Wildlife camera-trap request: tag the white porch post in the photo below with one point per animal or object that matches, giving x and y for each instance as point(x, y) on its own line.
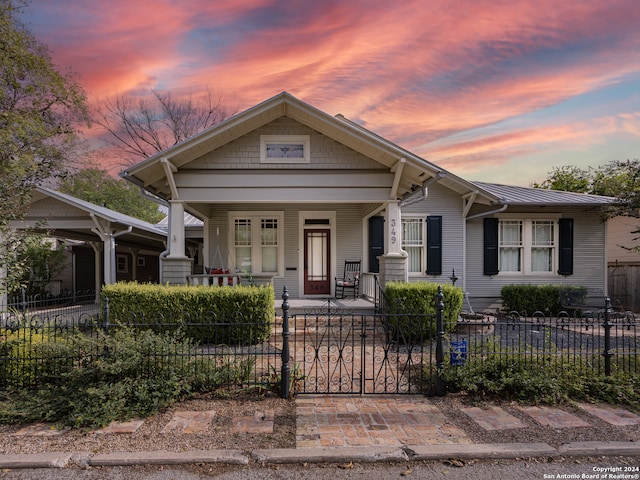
point(177, 240)
point(394, 232)
point(393, 264)
point(97, 247)
point(176, 265)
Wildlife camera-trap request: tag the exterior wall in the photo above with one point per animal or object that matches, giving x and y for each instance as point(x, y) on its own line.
point(448, 204)
point(619, 235)
point(348, 234)
point(588, 257)
point(244, 153)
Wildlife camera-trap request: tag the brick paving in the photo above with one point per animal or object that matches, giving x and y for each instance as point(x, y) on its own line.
point(493, 418)
point(612, 415)
point(337, 421)
point(554, 417)
point(346, 420)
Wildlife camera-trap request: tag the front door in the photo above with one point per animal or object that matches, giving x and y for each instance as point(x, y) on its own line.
point(317, 262)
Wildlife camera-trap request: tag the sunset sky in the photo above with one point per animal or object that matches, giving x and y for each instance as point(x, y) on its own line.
point(496, 91)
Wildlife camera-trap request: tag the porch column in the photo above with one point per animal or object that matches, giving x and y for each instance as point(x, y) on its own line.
point(97, 248)
point(176, 266)
point(177, 240)
point(393, 264)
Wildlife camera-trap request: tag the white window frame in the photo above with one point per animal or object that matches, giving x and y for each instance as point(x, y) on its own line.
point(256, 247)
point(298, 141)
point(423, 262)
point(527, 244)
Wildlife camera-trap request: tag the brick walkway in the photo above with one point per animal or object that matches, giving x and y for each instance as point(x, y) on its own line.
point(345, 420)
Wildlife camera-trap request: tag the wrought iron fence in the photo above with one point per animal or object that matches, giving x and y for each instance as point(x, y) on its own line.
point(371, 353)
point(593, 342)
point(36, 345)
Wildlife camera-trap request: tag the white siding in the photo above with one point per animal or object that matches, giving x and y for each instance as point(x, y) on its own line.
point(588, 257)
point(448, 204)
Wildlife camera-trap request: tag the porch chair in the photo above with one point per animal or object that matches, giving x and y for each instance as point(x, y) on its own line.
point(350, 279)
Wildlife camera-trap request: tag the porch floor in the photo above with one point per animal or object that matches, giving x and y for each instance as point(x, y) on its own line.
point(308, 305)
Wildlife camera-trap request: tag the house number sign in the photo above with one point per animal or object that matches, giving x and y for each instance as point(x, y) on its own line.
point(393, 231)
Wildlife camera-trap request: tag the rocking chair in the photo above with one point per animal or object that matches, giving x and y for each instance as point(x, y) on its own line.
point(350, 279)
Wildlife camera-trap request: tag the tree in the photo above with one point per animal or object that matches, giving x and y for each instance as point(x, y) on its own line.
point(567, 178)
point(40, 109)
point(619, 179)
point(138, 127)
point(98, 187)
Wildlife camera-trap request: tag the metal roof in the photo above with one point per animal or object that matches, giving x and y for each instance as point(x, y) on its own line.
point(512, 195)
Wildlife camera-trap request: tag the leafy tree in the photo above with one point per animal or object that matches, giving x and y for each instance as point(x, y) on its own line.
point(39, 111)
point(619, 179)
point(567, 178)
point(98, 187)
point(141, 127)
point(45, 260)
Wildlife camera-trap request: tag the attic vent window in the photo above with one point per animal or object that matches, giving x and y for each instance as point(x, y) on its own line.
point(284, 149)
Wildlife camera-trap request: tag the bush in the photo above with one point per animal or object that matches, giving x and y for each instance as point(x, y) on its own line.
point(548, 298)
point(241, 315)
point(491, 371)
point(92, 381)
point(412, 309)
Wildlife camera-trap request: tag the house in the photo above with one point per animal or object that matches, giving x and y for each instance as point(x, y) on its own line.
point(624, 263)
point(289, 193)
point(102, 246)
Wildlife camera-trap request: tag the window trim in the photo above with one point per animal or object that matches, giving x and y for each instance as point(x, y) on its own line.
point(423, 221)
point(527, 243)
point(122, 263)
point(256, 223)
point(303, 141)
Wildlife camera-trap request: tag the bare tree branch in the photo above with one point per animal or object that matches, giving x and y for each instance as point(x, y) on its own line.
point(140, 128)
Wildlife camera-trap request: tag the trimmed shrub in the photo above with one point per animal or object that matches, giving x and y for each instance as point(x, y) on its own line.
point(241, 315)
point(547, 298)
point(412, 309)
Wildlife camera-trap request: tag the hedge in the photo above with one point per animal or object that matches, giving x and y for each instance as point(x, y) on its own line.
point(412, 308)
point(547, 298)
point(241, 315)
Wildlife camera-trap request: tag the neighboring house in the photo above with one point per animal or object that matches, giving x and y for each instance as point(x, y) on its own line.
point(289, 193)
point(102, 246)
point(624, 264)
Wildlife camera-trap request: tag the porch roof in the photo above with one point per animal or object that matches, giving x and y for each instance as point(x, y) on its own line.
point(513, 195)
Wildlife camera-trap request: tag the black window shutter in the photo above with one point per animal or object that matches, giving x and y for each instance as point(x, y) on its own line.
point(565, 260)
point(491, 246)
point(434, 245)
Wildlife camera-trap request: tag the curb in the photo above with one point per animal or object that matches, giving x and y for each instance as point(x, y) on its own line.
point(321, 455)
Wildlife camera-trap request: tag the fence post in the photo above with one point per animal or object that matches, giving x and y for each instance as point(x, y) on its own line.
point(439, 343)
point(105, 320)
point(607, 354)
point(286, 369)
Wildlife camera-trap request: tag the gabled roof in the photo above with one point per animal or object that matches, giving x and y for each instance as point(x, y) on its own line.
point(151, 175)
point(512, 195)
point(102, 212)
point(81, 220)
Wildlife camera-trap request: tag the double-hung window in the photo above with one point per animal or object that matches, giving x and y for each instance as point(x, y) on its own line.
point(527, 246)
point(413, 242)
point(257, 242)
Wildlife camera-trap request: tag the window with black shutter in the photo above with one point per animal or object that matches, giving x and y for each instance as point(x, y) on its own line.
point(565, 261)
point(434, 245)
point(491, 246)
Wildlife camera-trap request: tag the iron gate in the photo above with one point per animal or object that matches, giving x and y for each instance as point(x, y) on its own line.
point(340, 352)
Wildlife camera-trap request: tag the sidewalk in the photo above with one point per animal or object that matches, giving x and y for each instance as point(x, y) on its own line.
point(337, 429)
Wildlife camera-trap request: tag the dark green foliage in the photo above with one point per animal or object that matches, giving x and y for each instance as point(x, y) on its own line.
point(90, 381)
point(225, 315)
point(546, 298)
point(491, 371)
point(413, 309)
